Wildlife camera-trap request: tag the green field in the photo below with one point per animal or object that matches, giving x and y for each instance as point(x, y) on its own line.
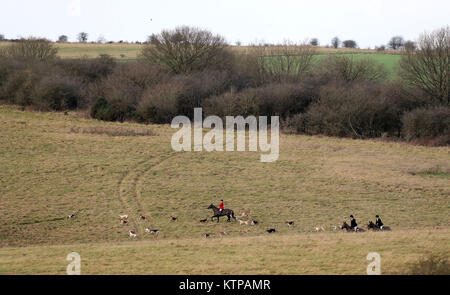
point(51, 169)
point(390, 61)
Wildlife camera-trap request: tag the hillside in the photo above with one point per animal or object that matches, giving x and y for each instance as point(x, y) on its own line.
point(54, 165)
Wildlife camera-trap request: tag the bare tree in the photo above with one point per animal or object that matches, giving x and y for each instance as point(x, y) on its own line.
point(289, 60)
point(428, 68)
point(2, 37)
point(62, 39)
point(250, 64)
point(396, 42)
point(82, 37)
point(335, 42)
point(349, 44)
point(31, 48)
point(185, 49)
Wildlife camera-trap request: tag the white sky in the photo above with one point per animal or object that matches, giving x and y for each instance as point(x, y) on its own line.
point(370, 23)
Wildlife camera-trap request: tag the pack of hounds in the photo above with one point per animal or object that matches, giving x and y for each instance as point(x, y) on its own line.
point(245, 219)
point(132, 233)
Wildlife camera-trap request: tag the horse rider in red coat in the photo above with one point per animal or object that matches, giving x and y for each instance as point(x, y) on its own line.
point(221, 206)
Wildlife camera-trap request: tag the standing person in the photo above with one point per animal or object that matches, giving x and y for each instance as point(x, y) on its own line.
point(378, 222)
point(221, 206)
point(353, 224)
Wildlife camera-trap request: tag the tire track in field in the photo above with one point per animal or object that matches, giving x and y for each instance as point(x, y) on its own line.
point(138, 182)
point(140, 171)
point(121, 198)
point(132, 195)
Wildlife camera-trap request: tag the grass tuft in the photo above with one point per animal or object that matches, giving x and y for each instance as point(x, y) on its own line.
point(113, 131)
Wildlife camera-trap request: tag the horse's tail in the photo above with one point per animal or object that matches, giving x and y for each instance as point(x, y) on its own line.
point(232, 215)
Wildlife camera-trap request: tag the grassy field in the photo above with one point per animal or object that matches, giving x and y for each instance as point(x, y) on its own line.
point(321, 253)
point(54, 165)
point(91, 50)
point(131, 50)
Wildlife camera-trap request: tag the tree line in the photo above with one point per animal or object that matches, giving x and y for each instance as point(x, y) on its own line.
point(395, 43)
point(184, 68)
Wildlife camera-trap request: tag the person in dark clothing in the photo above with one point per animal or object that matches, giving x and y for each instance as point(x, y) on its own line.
point(378, 222)
point(353, 224)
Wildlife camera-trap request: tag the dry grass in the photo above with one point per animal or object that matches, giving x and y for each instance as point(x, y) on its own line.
point(48, 173)
point(434, 171)
point(113, 131)
point(314, 253)
point(432, 264)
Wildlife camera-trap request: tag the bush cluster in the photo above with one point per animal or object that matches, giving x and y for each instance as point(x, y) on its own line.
point(336, 96)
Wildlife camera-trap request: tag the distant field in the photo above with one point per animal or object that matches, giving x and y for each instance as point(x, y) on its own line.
point(118, 51)
point(51, 169)
point(127, 52)
point(75, 50)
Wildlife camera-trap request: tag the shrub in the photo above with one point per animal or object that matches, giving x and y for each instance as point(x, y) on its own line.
point(398, 99)
point(57, 93)
point(18, 87)
point(248, 68)
point(430, 265)
point(113, 111)
point(284, 99)
point(295, 124)
point(98, 108)
point(86, 69)
point(357, 110)
point(31, 49)
point(221, 105)
point(18, 79)
point(159, 103)
point(127, 83)
point(281, 99)
point(349, 69)
point(427, 123)
point(55, 84)
point(196, 87)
